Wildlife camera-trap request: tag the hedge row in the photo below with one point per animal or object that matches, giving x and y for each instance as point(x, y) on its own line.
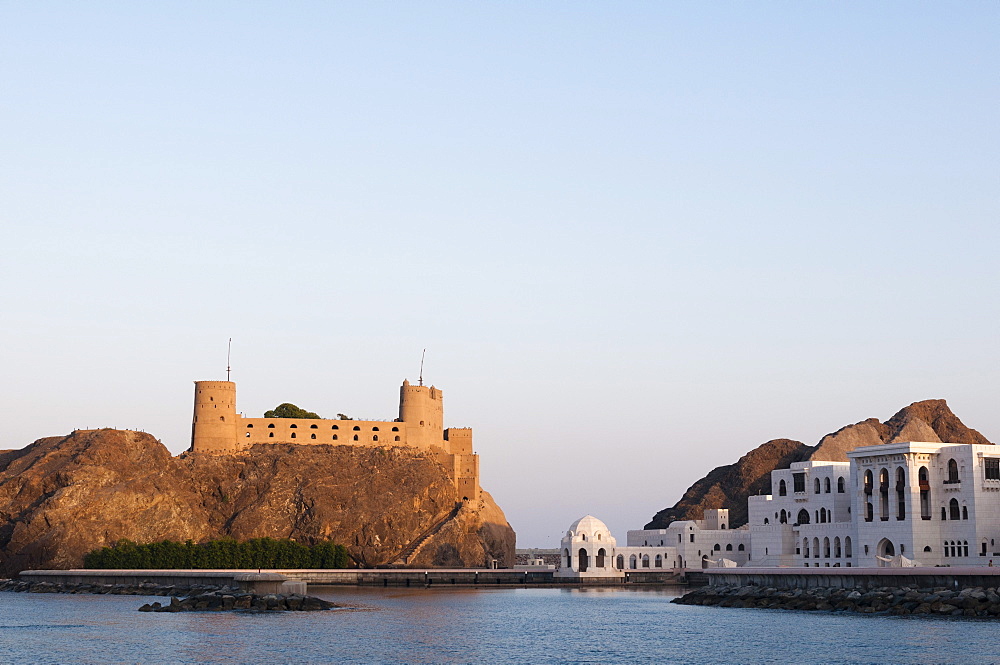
point(256, 553)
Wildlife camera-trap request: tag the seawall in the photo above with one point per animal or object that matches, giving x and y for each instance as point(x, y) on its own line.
point(855, 578)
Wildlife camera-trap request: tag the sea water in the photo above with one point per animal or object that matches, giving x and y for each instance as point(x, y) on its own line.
point(478, 626)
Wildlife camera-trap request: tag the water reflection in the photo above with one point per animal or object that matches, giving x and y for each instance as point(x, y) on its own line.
point(476, 626)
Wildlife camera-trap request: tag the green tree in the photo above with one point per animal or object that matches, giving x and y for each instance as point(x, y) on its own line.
point(287, 410)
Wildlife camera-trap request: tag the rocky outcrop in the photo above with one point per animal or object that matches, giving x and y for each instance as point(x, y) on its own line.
point(969, 602)
point(729, 486)
point(64, 496)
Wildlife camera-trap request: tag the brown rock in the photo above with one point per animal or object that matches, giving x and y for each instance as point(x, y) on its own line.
point(61, 497)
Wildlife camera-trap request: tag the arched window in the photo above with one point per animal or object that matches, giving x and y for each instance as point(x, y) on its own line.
point(250, 426)
point(883, 493)
point(293, 435)
point(965, 548)
point(741, 548)
point(868, 481)
point(334, 437)
point(395, 429)
point(356, 428)
point(631, 562)
point(965, 512)
point(620, 561)
point(952, 472)
point(840, 485)
point(803, 517)
point(782, 489)
point(374, 437)
point(847, 547)
point(599, 559)
point(645, 561)
point(658, 562)
point(900, 493)
point(826, 548)
point(335, 427)
point(815, 548)
point(312, 436)
point(805, 548)
point(836, 547)
point(729, 547)
point(766, 521)
point(869, 511)
point(826, 485)
point(374, 429)
point(784, 517)
point(822, 515)
point(816, 486)
point(355, 437)
point(314, 427)
point(583, 560)
point(293, 426)
point(925, 493)
point(271, 426)
point(395, 438)
point(717, 548)
point(955, 513)
point(270, 435)
point(569, 563)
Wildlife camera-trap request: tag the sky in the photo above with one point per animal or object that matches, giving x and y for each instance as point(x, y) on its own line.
point(636, 239)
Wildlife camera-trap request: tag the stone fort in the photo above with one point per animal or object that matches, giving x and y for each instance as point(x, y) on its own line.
point(217, 428)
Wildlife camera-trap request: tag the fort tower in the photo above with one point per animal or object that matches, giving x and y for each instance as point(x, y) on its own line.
point(213, 428)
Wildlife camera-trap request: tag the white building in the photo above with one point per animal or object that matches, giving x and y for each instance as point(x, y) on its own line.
point(899, 504)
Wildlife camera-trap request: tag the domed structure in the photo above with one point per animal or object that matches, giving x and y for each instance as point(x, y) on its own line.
point(588, 550)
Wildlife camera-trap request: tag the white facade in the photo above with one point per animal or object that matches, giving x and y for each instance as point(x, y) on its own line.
point(588, 550)
point(913, 503)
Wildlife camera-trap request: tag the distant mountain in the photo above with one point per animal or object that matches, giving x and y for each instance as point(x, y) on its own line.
point(729, 486)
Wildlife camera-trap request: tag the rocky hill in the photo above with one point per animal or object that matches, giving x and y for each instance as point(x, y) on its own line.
point(729, 486)
point(63, 496)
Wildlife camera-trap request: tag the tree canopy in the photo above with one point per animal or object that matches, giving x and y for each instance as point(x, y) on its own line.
point(287, 410)
point(225, 553)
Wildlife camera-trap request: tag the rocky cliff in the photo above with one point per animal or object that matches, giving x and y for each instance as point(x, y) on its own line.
point(63, 496)
point(729, 486)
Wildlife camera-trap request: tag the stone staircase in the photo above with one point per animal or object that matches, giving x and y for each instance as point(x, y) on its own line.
point(413, 548)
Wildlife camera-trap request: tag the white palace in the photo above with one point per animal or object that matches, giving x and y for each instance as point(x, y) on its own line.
point(897, 504)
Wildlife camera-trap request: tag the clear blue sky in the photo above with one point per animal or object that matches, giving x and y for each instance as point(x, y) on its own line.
point(637, 239)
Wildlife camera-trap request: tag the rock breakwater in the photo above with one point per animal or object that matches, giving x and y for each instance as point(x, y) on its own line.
point(968, 602)
point(183, 598)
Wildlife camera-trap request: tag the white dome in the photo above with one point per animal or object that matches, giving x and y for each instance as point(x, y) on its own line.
point(591, 529)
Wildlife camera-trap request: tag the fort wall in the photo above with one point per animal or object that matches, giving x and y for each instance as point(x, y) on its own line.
point(217, 428)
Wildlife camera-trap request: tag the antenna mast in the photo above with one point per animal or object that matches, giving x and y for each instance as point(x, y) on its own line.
point(229, 353)
point(422, 366)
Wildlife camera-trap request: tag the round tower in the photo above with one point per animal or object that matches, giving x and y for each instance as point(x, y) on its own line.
point(213, 428)
point(421, 408)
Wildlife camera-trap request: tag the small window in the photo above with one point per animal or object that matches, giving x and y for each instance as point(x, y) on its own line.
point(248, 435)
point(991, 468)
point(314, 427)
point(374, 429)
point(826, 485)
point(357, 429)
point(395, 429)
point(355, 437)
point(312, 436)
point(816, 486)
point(729, 547)
point(271, 426)
point(374, 437)
point(396, 438)
point(250, 426)
point(270, 435)
point(334, 437)
point(293, 425)
point(293, 435)
point(782, 488)
point(840, 485)
point(335, 427)
point(741, 548)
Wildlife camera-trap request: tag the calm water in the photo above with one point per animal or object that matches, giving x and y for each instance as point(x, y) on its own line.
point(478, 626)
